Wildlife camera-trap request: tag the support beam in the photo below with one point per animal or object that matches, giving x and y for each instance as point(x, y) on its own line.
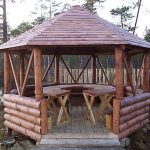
point(21, 69)
point(83, 69)
point(14, 74)
point(146, 72)
point(139, 74)
point(67, 68)
point(7, 81)
point(129, 74)
point(119, 88)
point(94, 68)
point(109, 82)
point(129, 63)
point(48, 68)
point(27, 73)
point(57, 69)
point(38, 73)
point(39, 89)
point(6, 73)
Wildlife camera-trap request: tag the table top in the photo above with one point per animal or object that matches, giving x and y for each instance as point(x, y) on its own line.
point(100, 91)
point(55, 92)
point(93, 89)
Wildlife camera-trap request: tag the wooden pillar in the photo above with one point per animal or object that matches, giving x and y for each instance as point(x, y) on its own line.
point(7, 81)
point(21, 69)
point(146, 74)
point(57, 69)
point(39, 89)
point(119, 88)
point(129, 62)
point(6, 73)
point(94, 69)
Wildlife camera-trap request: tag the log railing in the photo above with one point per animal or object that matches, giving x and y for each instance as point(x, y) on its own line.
point(134, 113)
point(22, 114)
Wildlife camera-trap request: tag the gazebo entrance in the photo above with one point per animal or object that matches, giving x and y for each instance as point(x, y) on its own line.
point(83, 121)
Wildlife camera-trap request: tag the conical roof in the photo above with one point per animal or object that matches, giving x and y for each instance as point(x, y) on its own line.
point(76, 27)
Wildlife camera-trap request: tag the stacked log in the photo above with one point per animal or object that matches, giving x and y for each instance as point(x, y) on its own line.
point(128, 91)
point(22, 114)
point(134, 113)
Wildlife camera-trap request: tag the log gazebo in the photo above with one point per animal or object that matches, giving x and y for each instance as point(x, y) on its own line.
point(74, 32)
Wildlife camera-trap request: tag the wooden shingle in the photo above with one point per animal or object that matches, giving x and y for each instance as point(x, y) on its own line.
point(76, 27)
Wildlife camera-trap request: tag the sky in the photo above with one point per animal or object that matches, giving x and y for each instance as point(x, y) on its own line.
point(21, 11)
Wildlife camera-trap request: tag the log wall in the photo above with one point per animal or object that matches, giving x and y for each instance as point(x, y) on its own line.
point(22, 114)
point(134, 113)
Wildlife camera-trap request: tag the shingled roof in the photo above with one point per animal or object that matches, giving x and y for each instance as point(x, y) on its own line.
point(75, 27)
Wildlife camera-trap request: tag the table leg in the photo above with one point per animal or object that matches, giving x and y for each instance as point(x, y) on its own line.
point(51, 105)
point(89, 107)
point(91, 101)
point(105, 103)
point(62, 109)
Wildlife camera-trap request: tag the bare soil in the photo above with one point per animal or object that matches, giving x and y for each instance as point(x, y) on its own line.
point(140, 140)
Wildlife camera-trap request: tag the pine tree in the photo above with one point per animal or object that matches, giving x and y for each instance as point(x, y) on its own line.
point(125, 17)
point(147, 35)
point(91, 5)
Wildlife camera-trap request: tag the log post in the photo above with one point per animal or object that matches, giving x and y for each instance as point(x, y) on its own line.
point(146, 74)
point(6, 73)
point(39, 89)
point(7, 81)
point(129, 62)
point(94, 68)
point(119, 88)
point(57, 69)
point(21, 69)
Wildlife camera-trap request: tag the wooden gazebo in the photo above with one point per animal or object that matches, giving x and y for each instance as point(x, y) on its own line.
point(74, 32)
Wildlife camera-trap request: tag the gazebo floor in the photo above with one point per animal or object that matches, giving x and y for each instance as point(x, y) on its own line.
point(80, 132)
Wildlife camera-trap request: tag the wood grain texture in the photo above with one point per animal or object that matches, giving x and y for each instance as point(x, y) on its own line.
point(146, 74)
point(23, 131)
point(6, 73)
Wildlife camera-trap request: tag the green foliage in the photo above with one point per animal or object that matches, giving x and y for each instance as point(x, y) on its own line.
point(72, 61)
point(24, 26)
point(125, 16)
point(91, 5)
point(38, 20)
point(147, 35)
point(50, 8)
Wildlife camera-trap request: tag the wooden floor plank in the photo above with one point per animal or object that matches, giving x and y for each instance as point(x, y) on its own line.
point(78, 123)
point(81, 122)
point(87, 122)
point(75, 121)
